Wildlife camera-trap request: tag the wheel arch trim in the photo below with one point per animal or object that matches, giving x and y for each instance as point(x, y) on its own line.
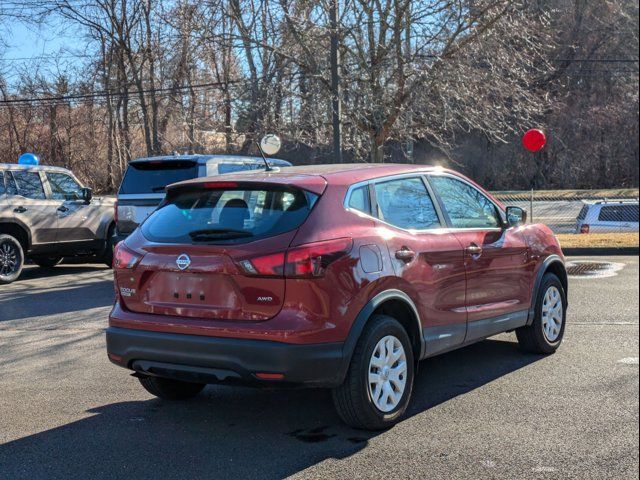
point(365, 314)
point(544, 268)
point(17, 223)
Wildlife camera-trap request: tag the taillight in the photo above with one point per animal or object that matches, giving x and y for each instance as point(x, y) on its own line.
point(584, 228)
point(264, 266)
point(306, 261)
point(125, 258)
point(312, 259)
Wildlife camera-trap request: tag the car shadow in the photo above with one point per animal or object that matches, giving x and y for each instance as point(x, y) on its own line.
point(72, 291)
point(235, 432)
point(33, 272)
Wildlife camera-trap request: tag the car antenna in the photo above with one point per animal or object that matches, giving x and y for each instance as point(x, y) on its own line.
point(267, 167)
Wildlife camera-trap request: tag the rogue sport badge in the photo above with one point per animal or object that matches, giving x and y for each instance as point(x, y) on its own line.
point(183, 261)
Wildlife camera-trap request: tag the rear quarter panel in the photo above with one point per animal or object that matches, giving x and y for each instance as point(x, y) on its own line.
point(327, 307)
point(101, 215)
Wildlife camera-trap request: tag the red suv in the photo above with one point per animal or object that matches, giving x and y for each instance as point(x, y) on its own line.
point(340, 276)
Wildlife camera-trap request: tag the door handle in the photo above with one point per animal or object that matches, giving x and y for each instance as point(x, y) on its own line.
point(63, 209)
point(474, 250)
point(405, 254)
point(20, 209)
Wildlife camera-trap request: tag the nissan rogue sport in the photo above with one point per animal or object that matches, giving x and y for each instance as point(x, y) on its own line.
point(340, 276)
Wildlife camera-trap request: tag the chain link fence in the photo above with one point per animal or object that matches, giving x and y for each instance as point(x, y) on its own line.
point(578, 211)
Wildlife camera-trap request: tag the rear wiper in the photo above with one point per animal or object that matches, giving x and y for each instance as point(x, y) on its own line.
point(158, 189)
point(218, 234)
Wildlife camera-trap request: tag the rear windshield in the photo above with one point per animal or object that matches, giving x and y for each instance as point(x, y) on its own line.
point(583, 213)
point(235, 215)
point(619, 213)
point(154, 176)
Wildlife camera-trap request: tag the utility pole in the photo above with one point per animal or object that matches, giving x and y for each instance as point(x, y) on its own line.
point(409, 116)
point(336, 104)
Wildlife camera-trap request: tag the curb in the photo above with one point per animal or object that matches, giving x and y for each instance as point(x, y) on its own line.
point(604, 251)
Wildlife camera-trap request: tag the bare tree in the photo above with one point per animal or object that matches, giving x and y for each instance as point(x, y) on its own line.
point(377, 80)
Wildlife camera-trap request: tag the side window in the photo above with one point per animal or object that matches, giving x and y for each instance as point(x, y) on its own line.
point(2, 189)
point(608, 214)
point(359, 199)
point(466, 206)
point(619, 213)
point(10, 183)
point(29, 184)
point(64, 187)
point(406, 203)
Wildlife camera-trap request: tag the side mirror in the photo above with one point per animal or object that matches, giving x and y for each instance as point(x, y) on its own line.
point(516, 216)
point(86, 195)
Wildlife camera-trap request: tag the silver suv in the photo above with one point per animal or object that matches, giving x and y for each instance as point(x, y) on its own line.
point(608, 216)
point(143, 184)
point(47, 214)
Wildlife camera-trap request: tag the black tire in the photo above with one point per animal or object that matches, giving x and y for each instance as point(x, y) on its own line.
point(11, 259)
point(46, 262)
point(352, 399)
point(107, 258)
point(532, 338)
point(169, 389)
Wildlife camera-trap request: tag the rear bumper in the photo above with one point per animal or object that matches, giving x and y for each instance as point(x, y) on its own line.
point(224, 360)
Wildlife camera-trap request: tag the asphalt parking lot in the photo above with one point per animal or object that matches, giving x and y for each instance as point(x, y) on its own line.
point(486, 411)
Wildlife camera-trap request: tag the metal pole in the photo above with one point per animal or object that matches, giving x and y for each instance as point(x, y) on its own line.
point(531, 207)
point(409, 117)
point(336, 105)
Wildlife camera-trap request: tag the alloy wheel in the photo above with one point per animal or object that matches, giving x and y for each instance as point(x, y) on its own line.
point(9, 261)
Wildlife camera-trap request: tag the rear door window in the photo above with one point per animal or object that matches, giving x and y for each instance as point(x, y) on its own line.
point(153, 176)
point(406, 203)
point(234, 215)
point(29, 184)
point(10, 184)
point(619, 213)
point(2, 189)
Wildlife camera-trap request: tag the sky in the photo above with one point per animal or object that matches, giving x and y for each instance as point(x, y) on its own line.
point(24, 41)
point(25, 45)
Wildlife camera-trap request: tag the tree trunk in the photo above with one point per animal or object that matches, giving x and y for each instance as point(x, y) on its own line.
point(336, 104)
point(377, 148)
point(155, 141)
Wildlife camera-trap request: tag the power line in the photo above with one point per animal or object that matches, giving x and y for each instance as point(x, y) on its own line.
point(106, 93)
point(597, 60)
point(51, 56)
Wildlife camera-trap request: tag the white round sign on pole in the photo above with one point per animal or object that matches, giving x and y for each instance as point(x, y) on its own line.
point(270, 144)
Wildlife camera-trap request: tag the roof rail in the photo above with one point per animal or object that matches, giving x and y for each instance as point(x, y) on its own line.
point(618, 201)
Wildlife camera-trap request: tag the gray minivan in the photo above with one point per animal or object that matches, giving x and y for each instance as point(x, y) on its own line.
point(143, 185)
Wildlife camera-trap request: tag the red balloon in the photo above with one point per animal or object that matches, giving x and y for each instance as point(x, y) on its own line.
point(534, 140)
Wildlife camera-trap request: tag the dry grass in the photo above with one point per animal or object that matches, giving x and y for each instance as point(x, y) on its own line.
point(598, 240)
